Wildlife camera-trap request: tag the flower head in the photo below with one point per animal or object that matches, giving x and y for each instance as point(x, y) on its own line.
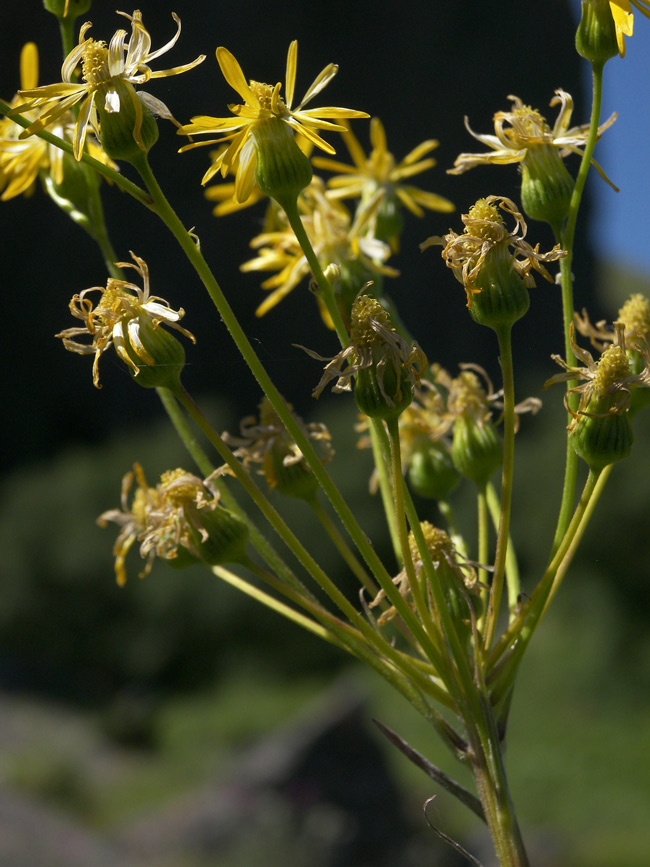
point(180, 520)
point(606, 383)
point(385, 366)
point(23, 160)
point(262, 103)
point(108, 73)
point(265, 441)
point(336, 238)
point(522, 129)
point(380, 172)
point(127, 317)
point(485, 231)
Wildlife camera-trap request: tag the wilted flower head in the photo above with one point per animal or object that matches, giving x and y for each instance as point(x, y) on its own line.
point(107, 74)
point(606, 383)
point(375, 346)
point(518, 132)
point(265, 441)
point(450, 567)
point(485, 230)
point(263, 103)
point(180, 520)
point(127, 317)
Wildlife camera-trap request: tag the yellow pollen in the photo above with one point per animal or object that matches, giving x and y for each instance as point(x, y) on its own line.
point(180, 488)
point(635, 315)
point(438, 543)
point(94, 63)
point(484, 221)
point(364, 311)
point(469, 396)
point(530, 120)
point(613, 367)
point(264, 93)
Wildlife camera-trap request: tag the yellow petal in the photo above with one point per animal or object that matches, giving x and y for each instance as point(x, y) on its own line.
point(292, 56)
point(29, 66)
point(235, 77)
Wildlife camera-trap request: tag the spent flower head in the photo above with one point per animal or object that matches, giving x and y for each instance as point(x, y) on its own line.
point(265, 441)
point(180, 520)
point(262, 104)
point(108, 76)
point(129, 318)
point(485, 231)
point(606, 384)
point(522, 130)
point(385, 366)
point(380, 172)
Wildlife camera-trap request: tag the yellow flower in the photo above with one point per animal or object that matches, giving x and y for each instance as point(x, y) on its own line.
point(262, 102)
point(623, 16)
point(336, 239)
point(125, 316)
point(523, 129)
point(380, 172)
point(21, 161)
point(103, 69)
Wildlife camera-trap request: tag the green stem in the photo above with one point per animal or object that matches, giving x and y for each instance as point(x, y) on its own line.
point(494, 603)
point(355, 566)
point(566, 280)
point(506, 655)
point(483, 555)
point(513, 581)
point(326, 291)
point(419, 597)
point(381, 464)
point(373, 638)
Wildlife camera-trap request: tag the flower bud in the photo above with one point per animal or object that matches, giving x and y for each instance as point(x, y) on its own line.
point(282, 170)
point(602, 437)
point(431, 471)
point(503, 298)
point(476, 449)
point(596, 37)
point(158, 358)
point(128, 129)
point(546, 185)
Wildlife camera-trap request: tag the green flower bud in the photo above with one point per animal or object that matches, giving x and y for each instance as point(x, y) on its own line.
point(604, 437)
point(158, 358)
point(67, 9)
point(546, 185)
point(431, 471)
point(383, 392)
point(218, 535)
point(282, 170)
point(129, 130)
point(389, 223)
point(596, 38)
point(503, 298)
point(476, 449)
